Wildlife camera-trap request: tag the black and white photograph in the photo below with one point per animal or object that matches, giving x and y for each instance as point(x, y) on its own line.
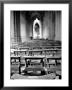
point(35, 45)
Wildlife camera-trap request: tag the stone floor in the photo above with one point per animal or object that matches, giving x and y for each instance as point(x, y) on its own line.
point(48, 76)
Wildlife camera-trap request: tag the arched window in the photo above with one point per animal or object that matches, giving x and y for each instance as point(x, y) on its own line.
point(37, 29)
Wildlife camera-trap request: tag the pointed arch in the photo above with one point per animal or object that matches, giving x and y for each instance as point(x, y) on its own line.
point(35, 34)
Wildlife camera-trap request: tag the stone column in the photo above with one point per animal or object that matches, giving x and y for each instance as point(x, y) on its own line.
point(17, 26)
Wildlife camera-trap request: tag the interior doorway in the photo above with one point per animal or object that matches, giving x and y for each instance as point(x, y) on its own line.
point(37, 29)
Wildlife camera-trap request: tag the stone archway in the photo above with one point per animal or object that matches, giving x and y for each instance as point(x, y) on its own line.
point(37, 29)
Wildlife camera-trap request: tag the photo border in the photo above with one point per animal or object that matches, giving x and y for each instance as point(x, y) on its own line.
point(2, 28)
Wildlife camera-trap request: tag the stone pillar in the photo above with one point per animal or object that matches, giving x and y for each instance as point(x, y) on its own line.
point(17, 26)
point(49, 25)
point(11, 28)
